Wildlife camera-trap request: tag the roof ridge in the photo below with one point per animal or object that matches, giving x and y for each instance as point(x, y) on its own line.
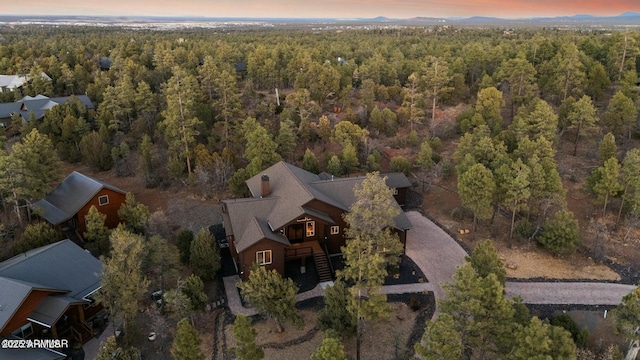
point(304, 185)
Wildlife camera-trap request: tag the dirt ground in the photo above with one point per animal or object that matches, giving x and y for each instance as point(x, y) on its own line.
point(180, 205)
point(380, 339)
point(526, 259)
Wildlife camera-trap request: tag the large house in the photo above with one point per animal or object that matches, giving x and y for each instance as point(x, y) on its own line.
point(47, 294)
point(295, 214)
point(13, 82)
point(68, 204)
point(37, 106)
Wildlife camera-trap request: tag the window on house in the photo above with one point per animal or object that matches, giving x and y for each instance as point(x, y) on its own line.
point(311, 228)
point(103, 200)
point(395, 191)
point(335, 230)
point(263, 257)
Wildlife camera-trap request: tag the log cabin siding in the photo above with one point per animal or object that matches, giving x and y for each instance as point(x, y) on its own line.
point(111, 209)
point(19, 318)
point(248, 257)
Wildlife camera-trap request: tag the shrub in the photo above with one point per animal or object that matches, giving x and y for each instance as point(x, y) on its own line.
point(560, 233)
point(523, 229)
point(400, 164)
point(565, 321)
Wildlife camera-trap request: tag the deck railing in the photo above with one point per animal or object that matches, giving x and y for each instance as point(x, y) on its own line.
point(298, 252)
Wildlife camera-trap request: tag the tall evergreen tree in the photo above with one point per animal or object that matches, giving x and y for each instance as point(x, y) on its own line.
point(180, 124)
point(476, 188)
point(97, 235)
point(582, 118)
point(204, 256)
point(607, 148)
point(310, 162)
point(186, 345)
point(134, 215)
point(123, 282)
point(608, 182)
point(245, 336)
point(627, 316)
point(271, 295)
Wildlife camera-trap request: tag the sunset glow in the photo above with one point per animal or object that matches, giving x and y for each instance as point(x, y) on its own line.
point(322, 8)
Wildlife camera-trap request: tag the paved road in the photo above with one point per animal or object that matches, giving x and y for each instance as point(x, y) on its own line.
point(438, 255)
point(583, 293)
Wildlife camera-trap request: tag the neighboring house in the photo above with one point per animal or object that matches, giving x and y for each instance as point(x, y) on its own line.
point(68, 204)
point(36, 105)
point(47, 294)
point(13, 82)
point(295, 214)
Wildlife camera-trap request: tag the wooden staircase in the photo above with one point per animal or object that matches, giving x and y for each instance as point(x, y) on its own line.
point(322, 264)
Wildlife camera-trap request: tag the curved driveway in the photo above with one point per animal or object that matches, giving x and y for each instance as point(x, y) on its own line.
point(438, 255)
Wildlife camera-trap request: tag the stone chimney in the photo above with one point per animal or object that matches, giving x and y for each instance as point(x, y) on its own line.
point(266, 189)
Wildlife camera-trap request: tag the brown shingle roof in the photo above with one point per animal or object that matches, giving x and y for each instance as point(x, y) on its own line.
point(291, 189)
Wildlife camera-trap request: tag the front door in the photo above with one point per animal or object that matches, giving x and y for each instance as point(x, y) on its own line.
point(295, 233)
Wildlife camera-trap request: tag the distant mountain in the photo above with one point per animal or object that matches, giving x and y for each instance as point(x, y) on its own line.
point(629, 13)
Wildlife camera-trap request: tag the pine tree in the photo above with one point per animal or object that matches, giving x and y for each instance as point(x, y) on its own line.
point(97, 234)
point(489, 106)
point(193, 288)
point(260, 150)
point(560, 233)
point(371, 248)
point(607, 148)
point(146, 159)
point(441, 340)
point(608, 182)
point(335, 314)
point(436, 79)
point(324, 128)
point(330, 349)
point(631, 182)
point(621, 114)
point(245, 336)
point(134, 215)
point(204, 256)
point(35, 235)
point(349, 159)
point(271, 295)
point(180, 124)
point(334, 167)
point(186, 345)
point(123, 282)
point(41, 163)
point(413, 101)
point(539, 340)
point(515, 185)
point(485, 261)
point(583, 119)
point(477, 188)
point(482, 315)
point(286, 139)
point(310, 162)
point(424, 160)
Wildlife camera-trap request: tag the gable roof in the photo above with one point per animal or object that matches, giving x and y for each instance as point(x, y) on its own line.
point(62, 267)
point(70, 196)
point(38, 105)
point(56, 266)
point(291, 189)
point(13, 294)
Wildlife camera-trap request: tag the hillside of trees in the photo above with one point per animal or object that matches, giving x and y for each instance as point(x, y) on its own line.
point(205, 110)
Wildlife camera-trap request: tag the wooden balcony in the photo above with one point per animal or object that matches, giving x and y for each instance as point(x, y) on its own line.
point(311, 248)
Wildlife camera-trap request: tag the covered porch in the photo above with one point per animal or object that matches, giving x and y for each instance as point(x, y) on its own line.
point(311, 248)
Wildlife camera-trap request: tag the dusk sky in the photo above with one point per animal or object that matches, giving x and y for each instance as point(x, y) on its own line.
point(321, 8)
